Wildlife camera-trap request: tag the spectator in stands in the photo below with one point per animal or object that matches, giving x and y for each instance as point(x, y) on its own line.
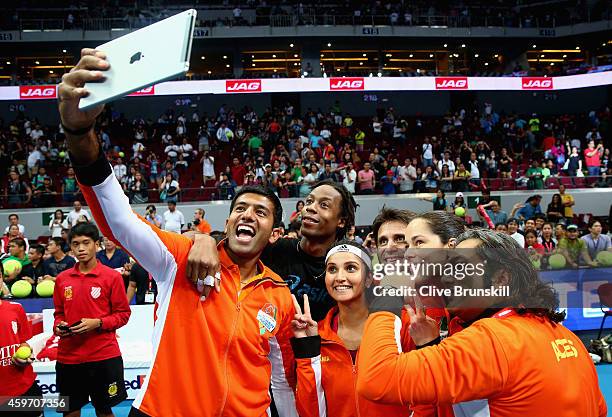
point(574, 163)
point(120, 170)
point(172, 151)
point(152, 217)
point(496, 214)
point(76, 212)
point(137, 190)
point(39, 178)
point(57, 223)
point(555, 209)
point(513, 232)
point(592, 158)
point(13, 233)
point(462, 176)
point(114, 257)
point(33, 272)
point(70, 186)
point(44, 194)
point(596, 241)
point(427, 153)
point(439, 201)
point(568, 202)
point(208, 167)
point(505, 164)
point(14, 220)
point(224, 134)
point(349, 177)
point(169, 189)
point(35, 159)
point(407, 176)
point(227, 187)
point(535, 175)
point(389, 182)
point(547, 240)
point(328, 174)
point(560, 231)
point(17, 191)
point(531, 208)
point(168, 169)
point(199, 223)
point(17, 249)
point(574, 249)
point(238, 172)
point(174, 221)
point(366, 179)
point(58, 261)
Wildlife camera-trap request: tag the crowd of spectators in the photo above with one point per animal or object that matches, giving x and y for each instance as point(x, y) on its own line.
point(467, 13)
point(172, 157)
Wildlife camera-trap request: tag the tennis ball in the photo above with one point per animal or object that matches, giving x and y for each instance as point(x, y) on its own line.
point(45, 288)
point(62, 154)
point(23, 352)
point(536, 263)
point(121, 154)
point(11, 266)
point(557, 261)
point(460, 211)
point(21, 289)
point(604, 258)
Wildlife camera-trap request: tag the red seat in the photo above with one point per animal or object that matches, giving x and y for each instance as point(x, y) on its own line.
point(495, 184)
point(605, 299)
point(567, 181)
point(580, 182)
point(551, 182)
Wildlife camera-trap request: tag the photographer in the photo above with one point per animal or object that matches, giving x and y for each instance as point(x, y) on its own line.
point(152, 216)
point(199, 224)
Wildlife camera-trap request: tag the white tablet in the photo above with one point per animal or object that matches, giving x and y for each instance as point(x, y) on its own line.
point(150, 55)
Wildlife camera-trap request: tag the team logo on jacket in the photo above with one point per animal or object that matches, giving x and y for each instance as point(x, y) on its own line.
point(68, 293)
point(267, 318)
point(15, 327)
point(95, 292)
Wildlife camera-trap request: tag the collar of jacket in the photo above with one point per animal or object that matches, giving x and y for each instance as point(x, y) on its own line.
point(264, 273)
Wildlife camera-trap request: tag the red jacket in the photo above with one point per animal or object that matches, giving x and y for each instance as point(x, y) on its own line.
point(98, 294)
point(14, 330)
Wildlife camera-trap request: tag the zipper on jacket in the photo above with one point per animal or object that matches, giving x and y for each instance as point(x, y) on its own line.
point(229, 343)
point(353, 370)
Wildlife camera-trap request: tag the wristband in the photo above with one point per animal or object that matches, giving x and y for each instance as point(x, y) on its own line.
point(99, 327)
point(77, 132)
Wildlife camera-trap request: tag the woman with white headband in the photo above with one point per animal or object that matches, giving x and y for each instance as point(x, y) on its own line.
point(326, 352)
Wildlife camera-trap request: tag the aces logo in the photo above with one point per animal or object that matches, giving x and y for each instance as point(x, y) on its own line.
point(266, 318)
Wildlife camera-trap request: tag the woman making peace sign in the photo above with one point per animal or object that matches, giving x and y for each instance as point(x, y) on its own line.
point(326, 352)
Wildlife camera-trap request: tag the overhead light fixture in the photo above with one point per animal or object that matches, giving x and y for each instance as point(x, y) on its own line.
point(361, 63)
point(564, 56)
point(577, 48)
point(486, 64)
point(295, 64)
point(37, 62)
point(534, 46)
point(445, 45)
point(496, 55)
point(63, 50)
point(252, 56)
point(8, 62)
point(463, 45)
point(202, 57)
point(209, 72)
point(400, 70)
point(59, 61)
point(388, 55)
point(273, 55)
point(542, 56)
point(290, 45)
point(603, 44)
point(227, 65)
point(431, 55)
point(295, 55)
point(411, 55)
point(50, 71)
point(322, 55)
point(253, 64)
point(379, 74)
point(365, 55)
point(337, 69)
point(274, 70)
point(329, 45)
point(476, 55)
point(552, 64)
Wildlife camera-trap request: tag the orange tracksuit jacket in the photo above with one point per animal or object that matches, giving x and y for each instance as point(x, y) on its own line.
point(515, 365)
point(327, 378)
point(217, 357)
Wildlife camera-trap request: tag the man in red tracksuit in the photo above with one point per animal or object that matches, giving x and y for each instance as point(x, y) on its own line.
point(90, 304)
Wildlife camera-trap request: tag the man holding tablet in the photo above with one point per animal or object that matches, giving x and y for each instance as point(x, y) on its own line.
point(240, 335)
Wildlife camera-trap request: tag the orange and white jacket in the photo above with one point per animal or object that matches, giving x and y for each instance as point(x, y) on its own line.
point(327, 378)
point(217, 357)
point(512, 365)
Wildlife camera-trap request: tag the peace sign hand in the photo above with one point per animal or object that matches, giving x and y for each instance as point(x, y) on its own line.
point(302, 324)
point(423, 329)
